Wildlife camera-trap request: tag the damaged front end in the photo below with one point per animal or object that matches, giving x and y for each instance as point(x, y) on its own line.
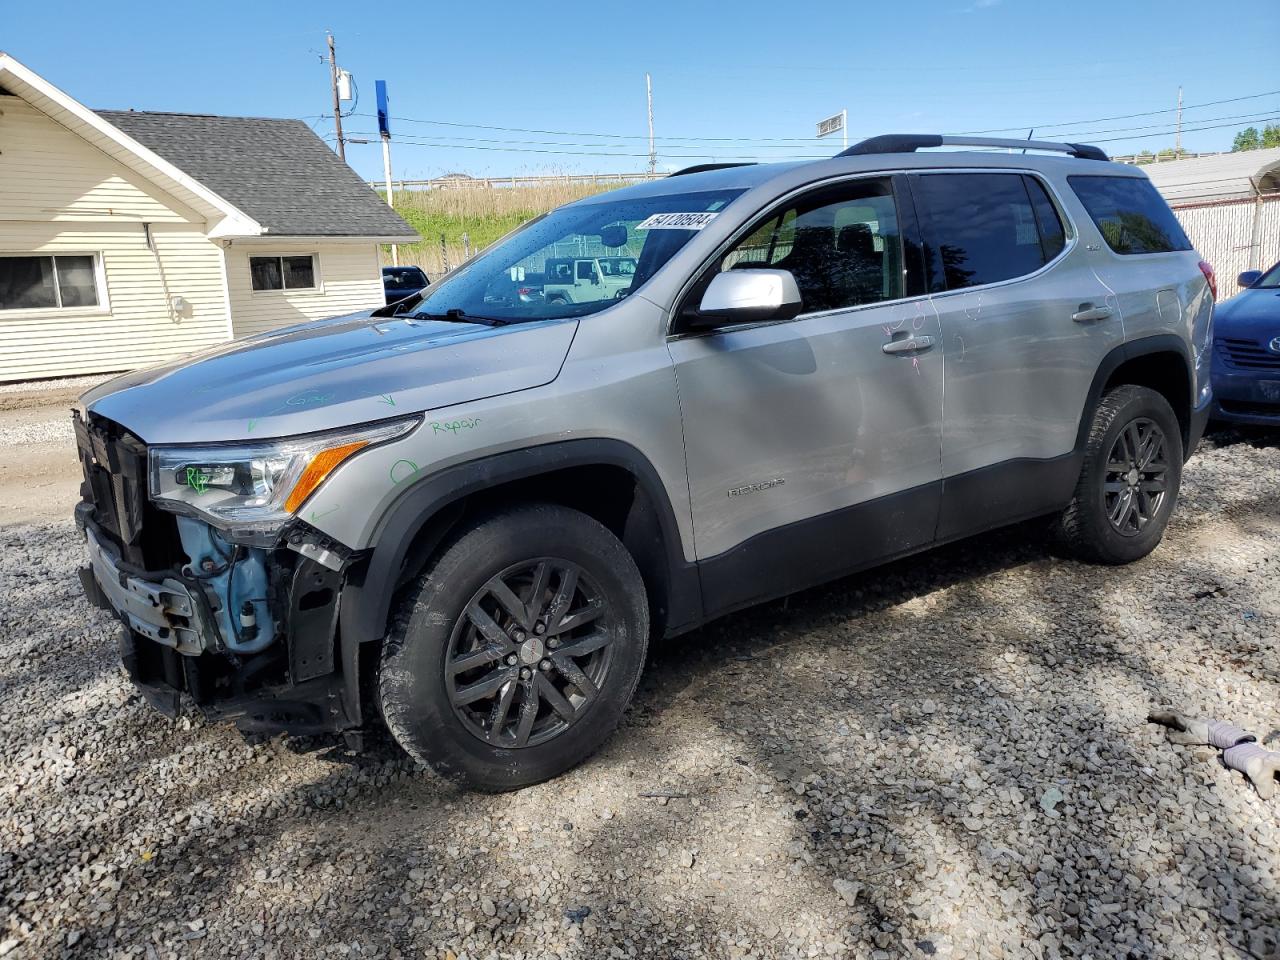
point(243, 621)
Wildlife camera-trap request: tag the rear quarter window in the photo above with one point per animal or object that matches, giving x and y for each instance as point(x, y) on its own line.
point(1130, 214)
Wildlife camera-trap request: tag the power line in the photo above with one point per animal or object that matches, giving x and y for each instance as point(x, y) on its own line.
point(1125, 116)
point(505, 146)
point(1166, 133)
point(811, 141)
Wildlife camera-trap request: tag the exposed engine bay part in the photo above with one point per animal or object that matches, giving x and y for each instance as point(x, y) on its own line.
point(234, 579)
point(160, 607)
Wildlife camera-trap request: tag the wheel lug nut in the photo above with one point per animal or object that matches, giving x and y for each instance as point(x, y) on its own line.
point(525, 673)
point(518, 636)
point(511, 660)
point(544, 666)
point(540, 629)
point(553, 642)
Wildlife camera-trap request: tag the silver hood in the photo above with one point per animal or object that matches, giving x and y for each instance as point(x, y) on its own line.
point(331, 373)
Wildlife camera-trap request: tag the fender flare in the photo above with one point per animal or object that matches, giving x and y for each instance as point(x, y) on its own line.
point(368, 594)
point(1122, 354)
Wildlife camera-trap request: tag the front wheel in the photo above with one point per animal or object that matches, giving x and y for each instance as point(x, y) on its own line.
point(516, 652)
point(1129, 483)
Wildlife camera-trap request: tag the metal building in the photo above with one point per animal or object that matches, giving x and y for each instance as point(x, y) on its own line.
point(1229, 204)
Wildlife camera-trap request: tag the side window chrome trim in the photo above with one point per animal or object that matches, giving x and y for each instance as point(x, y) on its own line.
point(1072, 238)
point(753, 220)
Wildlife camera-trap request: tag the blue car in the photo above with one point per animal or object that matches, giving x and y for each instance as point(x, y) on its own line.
point(1246, 352)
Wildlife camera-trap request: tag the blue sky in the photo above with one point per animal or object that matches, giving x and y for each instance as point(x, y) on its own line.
point(760, 73)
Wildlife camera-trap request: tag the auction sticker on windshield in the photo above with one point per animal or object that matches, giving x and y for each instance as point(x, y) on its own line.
point(676, 221)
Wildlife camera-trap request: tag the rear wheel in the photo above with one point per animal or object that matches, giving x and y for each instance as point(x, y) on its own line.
point(1129, 483)
point(517, 651)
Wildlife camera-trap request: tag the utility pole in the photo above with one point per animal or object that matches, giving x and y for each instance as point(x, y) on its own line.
point(337, 109)
point(653, 156)
point(1177, 141)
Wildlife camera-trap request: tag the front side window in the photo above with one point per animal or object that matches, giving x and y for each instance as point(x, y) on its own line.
point(842, 244)
point(1130, 214)
point(283, 273)
point(576, 260)
point(985, 228)
point(49, 282)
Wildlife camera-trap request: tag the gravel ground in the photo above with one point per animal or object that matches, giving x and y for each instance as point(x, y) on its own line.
point(947, 757)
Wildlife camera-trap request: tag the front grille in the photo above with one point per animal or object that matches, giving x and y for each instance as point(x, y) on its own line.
point(1247, 354)
point(114, 464)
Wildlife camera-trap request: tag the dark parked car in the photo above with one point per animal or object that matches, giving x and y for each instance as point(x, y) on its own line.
point(1246, 351)
point(401, 282)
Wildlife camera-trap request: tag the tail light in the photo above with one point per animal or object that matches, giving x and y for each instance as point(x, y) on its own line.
point(1207, 269)
point(524, 291)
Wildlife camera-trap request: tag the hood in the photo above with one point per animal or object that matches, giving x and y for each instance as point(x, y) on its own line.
point(330, 373)
point(1254, 314)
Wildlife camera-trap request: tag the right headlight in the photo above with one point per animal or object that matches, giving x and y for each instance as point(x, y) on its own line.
point(256, 485)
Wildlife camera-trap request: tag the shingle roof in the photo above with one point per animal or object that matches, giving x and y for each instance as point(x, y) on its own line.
point(276, 171)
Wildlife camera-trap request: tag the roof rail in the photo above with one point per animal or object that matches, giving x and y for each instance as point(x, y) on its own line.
point(704, 167)
point(910, 142)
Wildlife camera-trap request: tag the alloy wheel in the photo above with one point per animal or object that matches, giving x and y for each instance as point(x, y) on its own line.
point(529, 655)
point(1136, 481)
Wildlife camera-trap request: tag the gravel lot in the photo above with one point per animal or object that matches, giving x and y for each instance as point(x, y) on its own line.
point(947, 757)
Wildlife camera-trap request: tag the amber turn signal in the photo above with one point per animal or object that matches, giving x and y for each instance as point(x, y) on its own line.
point(320, 467)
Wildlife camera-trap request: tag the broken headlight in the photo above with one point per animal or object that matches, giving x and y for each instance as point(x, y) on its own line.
point(256, 485)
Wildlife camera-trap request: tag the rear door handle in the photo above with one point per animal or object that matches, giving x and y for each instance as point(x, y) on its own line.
point(1089, 314)
point(908, 345)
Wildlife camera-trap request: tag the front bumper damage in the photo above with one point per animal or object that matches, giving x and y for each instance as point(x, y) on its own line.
point(248, 634)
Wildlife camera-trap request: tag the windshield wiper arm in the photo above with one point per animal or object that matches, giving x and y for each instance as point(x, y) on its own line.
point(459, 316)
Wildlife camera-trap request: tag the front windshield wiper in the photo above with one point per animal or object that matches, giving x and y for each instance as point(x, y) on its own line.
point(458, 316)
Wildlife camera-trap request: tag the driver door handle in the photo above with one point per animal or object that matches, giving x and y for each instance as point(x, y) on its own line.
point(1088, 314)
point(908, 345)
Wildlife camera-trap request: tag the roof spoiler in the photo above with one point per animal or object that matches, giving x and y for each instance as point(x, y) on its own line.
point(911, 142)
point(704, 167)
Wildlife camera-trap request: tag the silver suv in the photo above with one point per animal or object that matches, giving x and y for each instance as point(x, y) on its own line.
point(467, 514)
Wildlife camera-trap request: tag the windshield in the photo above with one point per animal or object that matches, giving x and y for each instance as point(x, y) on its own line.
point(1270, 279)
point(576, 260)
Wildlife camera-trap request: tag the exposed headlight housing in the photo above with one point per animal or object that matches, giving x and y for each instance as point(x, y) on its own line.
point(251, 490)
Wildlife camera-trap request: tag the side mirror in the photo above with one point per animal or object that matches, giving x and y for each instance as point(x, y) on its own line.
point(1248, 278)
point(749, 296)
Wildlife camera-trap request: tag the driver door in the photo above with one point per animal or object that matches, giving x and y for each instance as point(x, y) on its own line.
point(813, 450)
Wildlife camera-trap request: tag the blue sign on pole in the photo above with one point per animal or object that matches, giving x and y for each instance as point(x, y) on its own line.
point(384, 118)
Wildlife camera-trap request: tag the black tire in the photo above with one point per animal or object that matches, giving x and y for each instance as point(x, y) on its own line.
point(438, 632)
point(1100, 524)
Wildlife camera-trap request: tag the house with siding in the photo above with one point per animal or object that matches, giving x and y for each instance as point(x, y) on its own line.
point(131, 238)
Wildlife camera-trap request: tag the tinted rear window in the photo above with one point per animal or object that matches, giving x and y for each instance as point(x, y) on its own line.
point(1130, 213)
point(983, 227)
